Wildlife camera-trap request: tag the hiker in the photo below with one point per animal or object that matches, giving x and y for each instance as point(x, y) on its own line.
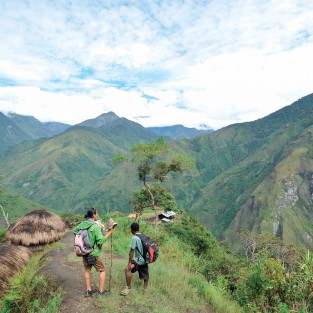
point(136, 263)
point(94, 258)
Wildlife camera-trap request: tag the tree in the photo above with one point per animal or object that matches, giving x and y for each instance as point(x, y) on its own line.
point(163, 197)
point(154, 162)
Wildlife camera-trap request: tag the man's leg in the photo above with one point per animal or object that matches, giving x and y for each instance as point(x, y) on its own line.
point(101, 281)
point(128, 276)
point(146, 283)
point(88, 278)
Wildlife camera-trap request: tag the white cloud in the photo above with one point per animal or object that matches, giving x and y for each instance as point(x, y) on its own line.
point(206, 62)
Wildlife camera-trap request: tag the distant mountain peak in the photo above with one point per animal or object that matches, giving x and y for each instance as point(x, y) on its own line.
point(178, 132)
point(101, 120)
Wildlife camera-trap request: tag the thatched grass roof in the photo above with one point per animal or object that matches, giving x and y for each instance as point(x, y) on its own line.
point(36, 228)
point(12, 259)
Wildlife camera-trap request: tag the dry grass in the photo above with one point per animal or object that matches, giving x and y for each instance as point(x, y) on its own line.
point(36, 228)
point(12, 259)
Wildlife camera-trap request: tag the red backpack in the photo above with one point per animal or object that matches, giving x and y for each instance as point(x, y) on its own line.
point(150, 248)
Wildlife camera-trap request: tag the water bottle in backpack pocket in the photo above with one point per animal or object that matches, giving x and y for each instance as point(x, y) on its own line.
point(149, 247)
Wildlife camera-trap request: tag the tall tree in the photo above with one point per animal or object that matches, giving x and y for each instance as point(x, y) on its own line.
point(154, 161)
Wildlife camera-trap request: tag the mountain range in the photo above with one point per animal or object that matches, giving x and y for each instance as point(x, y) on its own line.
point(256, 176)
point(15, 128)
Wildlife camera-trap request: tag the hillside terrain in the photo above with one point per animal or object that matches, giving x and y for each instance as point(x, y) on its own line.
point(15, 129)
point(254, 176)
point(15, 206)
point(193, 273)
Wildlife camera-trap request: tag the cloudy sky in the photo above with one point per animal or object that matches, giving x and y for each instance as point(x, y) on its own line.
point(156, 62)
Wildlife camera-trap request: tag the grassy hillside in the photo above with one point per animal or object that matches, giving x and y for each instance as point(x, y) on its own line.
point(30, 125)
point(15, 205)
point(71, 171)
point(10, 133)
point(192, 274)
point(234, 162)
point(237, 182)
point(282, 203)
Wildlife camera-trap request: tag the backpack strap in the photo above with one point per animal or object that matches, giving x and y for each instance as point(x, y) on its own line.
point(141, 245)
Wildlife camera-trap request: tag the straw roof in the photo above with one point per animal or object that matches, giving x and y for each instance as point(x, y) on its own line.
point(12, 259)
point(36, 229)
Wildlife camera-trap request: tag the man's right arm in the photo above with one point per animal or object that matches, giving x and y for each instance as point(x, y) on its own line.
point(130, 258)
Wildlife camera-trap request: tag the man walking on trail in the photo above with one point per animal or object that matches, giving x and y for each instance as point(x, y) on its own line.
point(136, 263)
point(94, 258)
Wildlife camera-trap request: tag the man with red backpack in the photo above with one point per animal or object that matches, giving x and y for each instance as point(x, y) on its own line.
point(136, 262)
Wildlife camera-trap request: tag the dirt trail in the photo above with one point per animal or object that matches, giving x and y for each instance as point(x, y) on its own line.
point(70, 276)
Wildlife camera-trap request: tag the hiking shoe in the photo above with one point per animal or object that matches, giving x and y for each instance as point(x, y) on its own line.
point(103, 293)
point(111, 224)
point(88, 293)
point(126, 291)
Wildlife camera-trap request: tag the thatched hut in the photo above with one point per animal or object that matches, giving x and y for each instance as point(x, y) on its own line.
point(36, 229)
point(12, 259)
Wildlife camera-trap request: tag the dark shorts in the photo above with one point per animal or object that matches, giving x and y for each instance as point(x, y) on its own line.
point(143, 270)
point(99, 266)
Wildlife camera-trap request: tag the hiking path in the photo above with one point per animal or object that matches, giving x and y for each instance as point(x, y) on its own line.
point(67, 271)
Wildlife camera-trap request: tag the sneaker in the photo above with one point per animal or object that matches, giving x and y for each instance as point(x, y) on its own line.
point(103, 293)
point(111, 224)
point(126, 291)
point(88, 293)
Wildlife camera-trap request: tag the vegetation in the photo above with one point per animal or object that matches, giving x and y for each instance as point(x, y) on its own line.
point(30, 292)
point(250, 179)
point(275, 278)
point(241, 173)
point(176, 284)
point(15, 206)
point(154, 162)
point(2, 232)
point(272, 278)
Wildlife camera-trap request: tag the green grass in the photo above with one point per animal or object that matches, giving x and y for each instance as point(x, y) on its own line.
point(2, 232)
point(176, 284)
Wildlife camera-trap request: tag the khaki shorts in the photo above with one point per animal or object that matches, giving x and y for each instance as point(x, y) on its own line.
point(99, 266)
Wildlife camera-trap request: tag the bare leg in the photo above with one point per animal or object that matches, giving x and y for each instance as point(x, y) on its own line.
point(101, 281)
point(129, 276)
point(146, 283)
point(88, 278)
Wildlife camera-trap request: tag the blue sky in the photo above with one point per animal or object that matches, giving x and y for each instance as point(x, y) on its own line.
point(158, 63)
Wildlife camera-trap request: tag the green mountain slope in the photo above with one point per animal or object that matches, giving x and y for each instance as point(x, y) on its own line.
point(30, 125)
point(240, 179)
point(15, 206)
point(179, 131)
point(60, 169)
point(74, 170)
point(235, 161)
point(10, 133)
point(123, 132)
point(55, 128)
point(15, 129)
point(282, 203)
